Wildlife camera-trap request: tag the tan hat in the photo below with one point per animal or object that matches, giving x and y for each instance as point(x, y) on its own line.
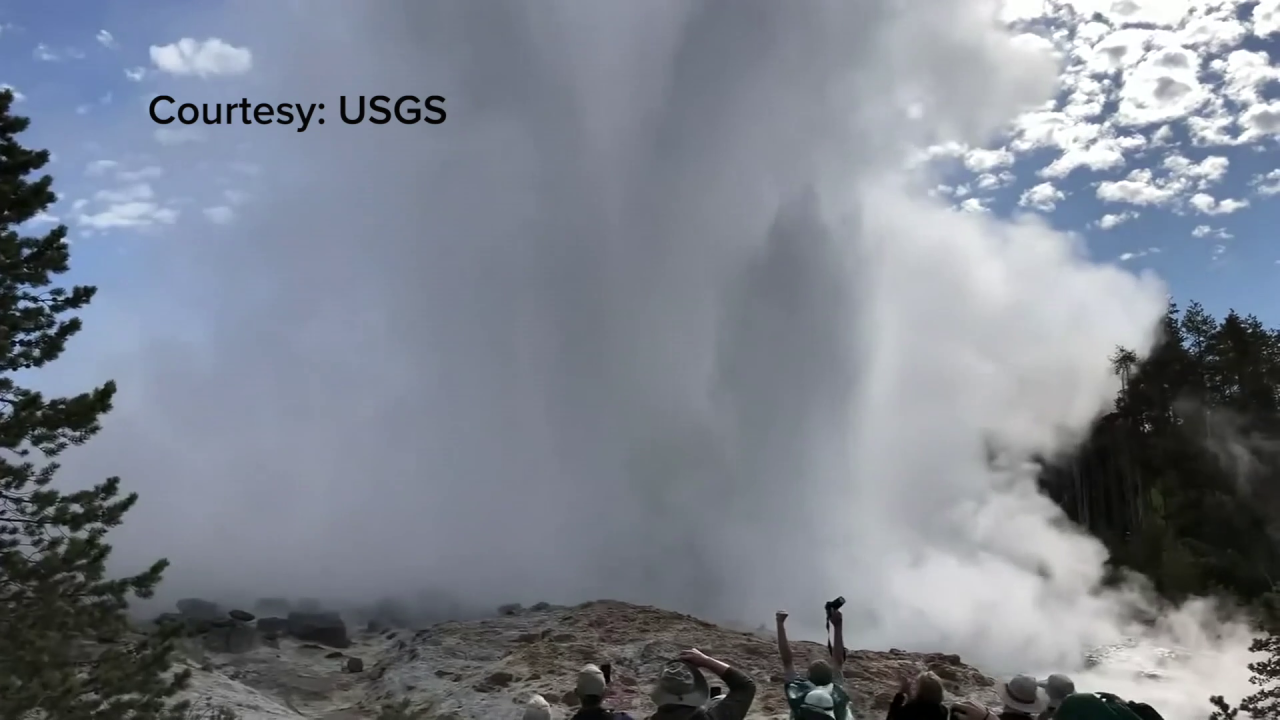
point(1023, 693)
point(682, 684)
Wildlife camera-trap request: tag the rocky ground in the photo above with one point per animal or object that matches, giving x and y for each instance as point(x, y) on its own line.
point(489, 668)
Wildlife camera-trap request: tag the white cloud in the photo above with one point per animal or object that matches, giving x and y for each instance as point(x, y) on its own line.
point(129, 214)
point(993, 181)
point(1200, 175)
point(235, 197)
point(1126, 257)
point(1207, 205)
point(41, 219)
point(45, 53)
point(128, 193)
point(106, 39)
point(133, 205)
point(220, 214)
point(1203, 231)
point(1266, 18)
point(1111, 220)
point(1043, 197)
point(17, 96)
point(179, 135)
point(201, 58)
point(150, 172)
point(98, 168)
point(980, 160)
point(1139, 188)
point(973, 205)
point(1268, 184)
point(135, 74)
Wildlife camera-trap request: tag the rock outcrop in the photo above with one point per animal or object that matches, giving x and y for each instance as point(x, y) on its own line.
point(485, 669)
point(321, 627)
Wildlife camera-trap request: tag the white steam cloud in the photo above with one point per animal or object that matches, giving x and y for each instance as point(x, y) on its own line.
point(654, 315)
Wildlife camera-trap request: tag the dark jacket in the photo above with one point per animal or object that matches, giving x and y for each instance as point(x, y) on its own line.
point(737, 701)
point(903, 709)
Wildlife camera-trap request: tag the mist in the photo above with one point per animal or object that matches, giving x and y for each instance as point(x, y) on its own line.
point(657, 314)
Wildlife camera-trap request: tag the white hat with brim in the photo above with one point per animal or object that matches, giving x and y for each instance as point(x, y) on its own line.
point(1023, 693)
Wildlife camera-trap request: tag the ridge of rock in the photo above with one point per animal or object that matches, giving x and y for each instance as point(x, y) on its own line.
point(489, 668)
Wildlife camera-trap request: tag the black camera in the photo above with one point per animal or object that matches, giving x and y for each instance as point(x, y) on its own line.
point(833, 605)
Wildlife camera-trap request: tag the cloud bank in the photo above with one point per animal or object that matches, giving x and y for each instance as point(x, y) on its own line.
point(656, 314)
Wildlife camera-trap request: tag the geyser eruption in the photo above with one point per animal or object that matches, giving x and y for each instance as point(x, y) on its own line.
point(656, 314)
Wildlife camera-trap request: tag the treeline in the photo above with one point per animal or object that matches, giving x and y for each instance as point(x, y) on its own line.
point(1181, 480)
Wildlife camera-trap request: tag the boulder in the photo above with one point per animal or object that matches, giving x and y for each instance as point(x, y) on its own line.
point(355, 665)
point(322, 628)
point(235, 639)
point(241, 615)
point(273, 626)
point(200, 609)
point(510, 609)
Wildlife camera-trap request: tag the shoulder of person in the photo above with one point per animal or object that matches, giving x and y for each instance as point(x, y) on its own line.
point(797, 687)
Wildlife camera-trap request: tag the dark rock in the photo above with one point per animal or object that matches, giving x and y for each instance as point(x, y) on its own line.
point(271, 641)
point(324, 628)
point(539, 607)
point(500, 678)
point(335, 654)
point(234, 639)
point(199, 609)
point(510, 609)
point(273, 625)
point(241, 615)
point(355, 665)
point(375, 626)
point(311, 646)
point(570, 698)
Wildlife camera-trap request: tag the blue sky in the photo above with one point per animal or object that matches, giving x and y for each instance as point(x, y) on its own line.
point(1166, 127)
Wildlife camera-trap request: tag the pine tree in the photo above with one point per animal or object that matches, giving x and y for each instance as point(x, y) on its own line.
point(65, 647)
point(1265, 703)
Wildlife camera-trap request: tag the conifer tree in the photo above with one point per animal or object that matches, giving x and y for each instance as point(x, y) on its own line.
point(66, 651)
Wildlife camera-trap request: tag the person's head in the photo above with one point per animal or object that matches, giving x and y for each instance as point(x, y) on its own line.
point(1022, 695)
point(591, 686)
point(927, 688)
point(818, 704)
point(537, 709)
point(680, 684)
point(1058, 687)
point(820, 673)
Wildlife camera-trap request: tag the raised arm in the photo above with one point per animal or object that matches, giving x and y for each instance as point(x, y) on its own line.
point(837, 645)
point(784, 646)
point(741, 688)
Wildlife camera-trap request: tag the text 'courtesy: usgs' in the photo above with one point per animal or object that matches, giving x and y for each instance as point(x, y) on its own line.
point(376, 109)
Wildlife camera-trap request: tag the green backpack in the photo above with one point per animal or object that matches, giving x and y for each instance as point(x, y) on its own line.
point(1103, 706)
point(796, 690)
